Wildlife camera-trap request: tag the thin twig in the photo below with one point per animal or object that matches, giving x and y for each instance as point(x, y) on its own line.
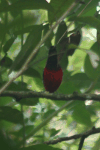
point(76, 136)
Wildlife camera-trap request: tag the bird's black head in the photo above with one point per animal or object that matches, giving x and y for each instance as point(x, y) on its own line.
point(52, 61)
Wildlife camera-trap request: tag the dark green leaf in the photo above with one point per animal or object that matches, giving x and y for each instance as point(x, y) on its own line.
point(62, 46)
point(32, 73)
point(18, 86)
point(29, 101)
point(49, 112)
point(26, 4)
point(26, 29)
point(53, 132)
point(8, 44)
point(48, 40)
point(10, 114)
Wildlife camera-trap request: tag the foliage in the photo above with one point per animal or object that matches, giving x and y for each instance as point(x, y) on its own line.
point(23, 23)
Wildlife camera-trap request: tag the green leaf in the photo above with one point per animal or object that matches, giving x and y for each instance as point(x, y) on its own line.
point(48, 40)
point(80, 80)
point(29, 101)
point(67, 87)
point(92, 65)
point(59, 8)
point(27, 29)
point(26, 4)
point(33, 116)
point(6, 62)
point(17, 86)
point(49, 112)
point(81, 114)
point(32, 73)
point(31, 41)
point(53, 132)
point(62, 28)
point(62, 46)
point(5, 100)
point(40, 59)
point(10, 114)
point(72, 46)
point(90, 20)
point(40, 146)
point(8, 44)
point(29, 18)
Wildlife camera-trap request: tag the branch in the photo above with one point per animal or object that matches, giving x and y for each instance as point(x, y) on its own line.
point(81, 142)
point(52, 96)
point(76, 136)
point(36, 49)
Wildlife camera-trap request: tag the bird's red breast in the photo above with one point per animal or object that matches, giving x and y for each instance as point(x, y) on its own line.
point(52, 75)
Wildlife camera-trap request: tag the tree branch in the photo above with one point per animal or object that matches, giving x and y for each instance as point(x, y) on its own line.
point(52, 96)
point(81, 142)
point(76, 136)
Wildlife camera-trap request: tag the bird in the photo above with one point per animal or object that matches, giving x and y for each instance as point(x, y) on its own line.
point(52, 74)
point(74, 38)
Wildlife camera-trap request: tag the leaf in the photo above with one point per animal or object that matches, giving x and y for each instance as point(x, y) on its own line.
point(80, 80)
point(92, 65)
point(6, 62)
point(40, 146)
point(59, 7)
point(53, 132)
point(33, 116)
point(32, 73)
point(48, 40)
point(5, 100)
point(26, 29)
point(18, 86)
point(31, 41)
point(81, 114)
point(11, 115)
point(29, 18)
point(26, 4)
point(49, 112)
point(40, 58)
point(29, 101)
point(72, 46)
point(62, 46)
point(8, 44)
point(90, 20)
